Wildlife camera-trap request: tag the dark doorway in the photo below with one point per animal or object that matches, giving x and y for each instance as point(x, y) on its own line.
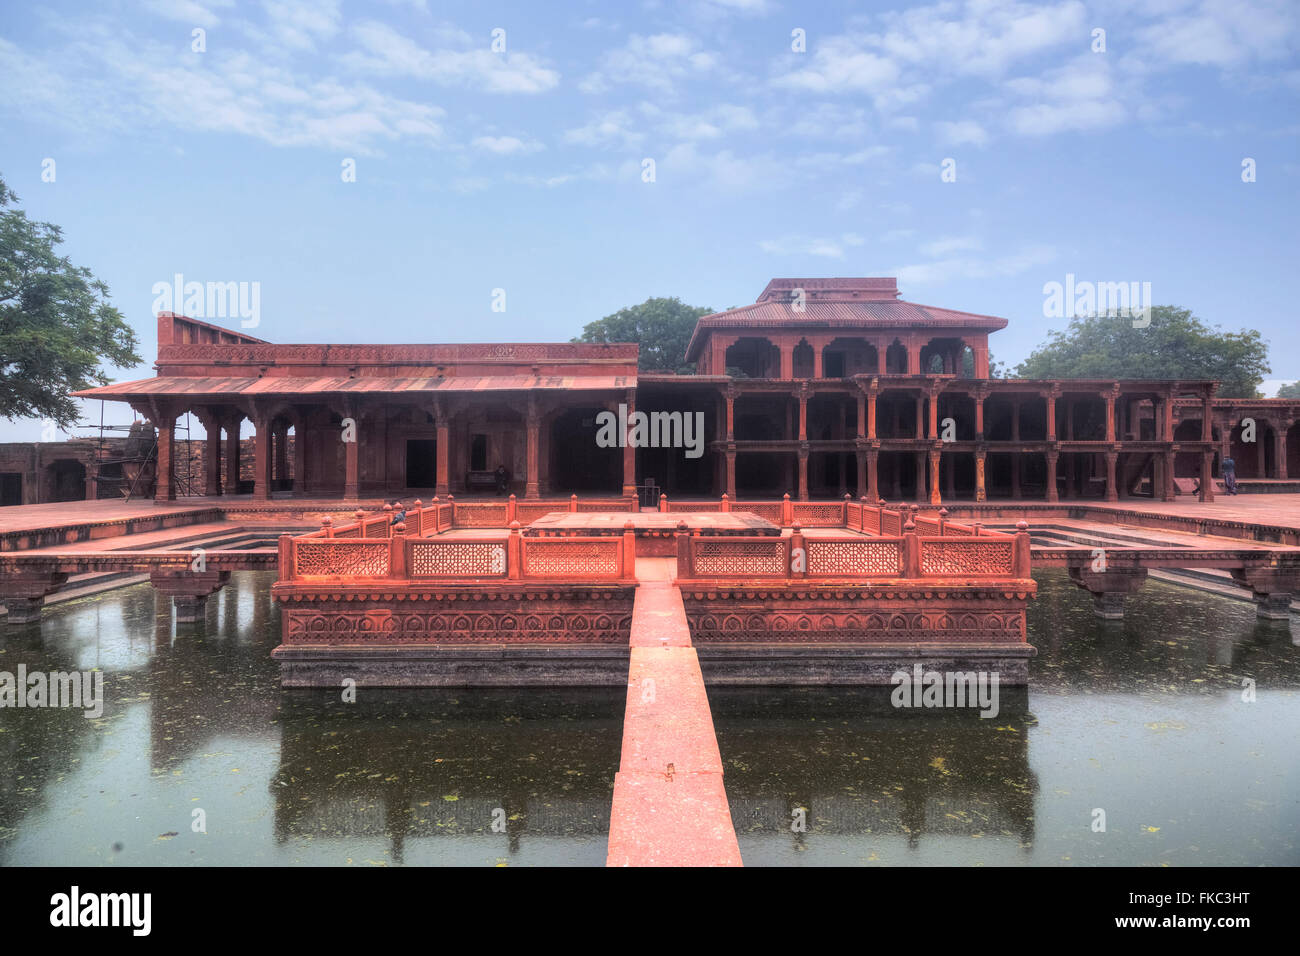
point(478, 453)
point(11, 488)
point(421, 463)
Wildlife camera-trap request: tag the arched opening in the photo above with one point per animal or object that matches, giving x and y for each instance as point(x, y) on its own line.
point(942, 356)
point(896, 359)
point(846, 356)
point(753, 358)
point(802, 358)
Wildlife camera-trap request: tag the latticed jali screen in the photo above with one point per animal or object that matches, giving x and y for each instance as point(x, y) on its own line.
point(974, 556)
point(565, 558)
point(456, 559)
point(855, 557)
point(740, 558)
point(355, 558)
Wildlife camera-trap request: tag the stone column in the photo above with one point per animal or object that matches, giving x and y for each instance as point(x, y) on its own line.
point(1280, 448)
point(1261, 459)
point(1015, 418)
point(862, 414)
point(1110, 396)
point(1052, 456)
point(731, 474)
point(300, 455)
point(803, 473)
point(165, 422)
point(1112, 491)
point(920, 415)
point(1051, 397)
point(980, 493)
point(232, 453)
point(1167, 478)
point(934, 477)
point(980, 395)
point(921, 493)
point(934, 414)
point(1207, 412)
point(262, 459)
point(871, 415)
point(873, 477)
point(1207, 476)
point(352, 470)
point(281, 437)
point(442, 450)
point(803, 414)
point(212, 457)
point(731, 414)
point(534, 424)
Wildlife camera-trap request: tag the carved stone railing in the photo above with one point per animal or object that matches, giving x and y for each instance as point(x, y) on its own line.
point(509, 557)
point(793, 558)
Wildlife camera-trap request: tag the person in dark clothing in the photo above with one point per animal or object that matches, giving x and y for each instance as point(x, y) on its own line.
point(1230, 476)
point(503, 479)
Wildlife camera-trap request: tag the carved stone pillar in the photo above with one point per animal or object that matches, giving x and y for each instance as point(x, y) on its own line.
point(934, 477)
point(980, 493)
point(232, 453)
point(1052, 495)
point(1112, 489)
point(442, 451)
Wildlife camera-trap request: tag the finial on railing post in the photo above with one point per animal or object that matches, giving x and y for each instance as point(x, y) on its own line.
point(943, 519)
point(663, 502)
point(629, 551)
point(726, 503)
point(327, 525)
point(1021, 561)
point(798, 555)
point(684, 550)
point(573, 503)
point(397, 550)
point(515, 552)
point(512, 508)
point(787, 511)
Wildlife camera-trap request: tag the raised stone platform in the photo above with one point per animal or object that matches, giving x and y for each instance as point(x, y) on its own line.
point(643, 522)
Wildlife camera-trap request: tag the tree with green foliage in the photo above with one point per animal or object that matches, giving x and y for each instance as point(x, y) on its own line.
point(1290, 390)
point(662, 327)
point(1175, 345)
point(56, 325)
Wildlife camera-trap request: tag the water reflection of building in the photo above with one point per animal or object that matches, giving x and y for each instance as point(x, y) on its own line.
point(414, 764)
point(857, 765)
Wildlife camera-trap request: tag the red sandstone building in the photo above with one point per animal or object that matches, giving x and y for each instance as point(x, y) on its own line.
point(823, 387)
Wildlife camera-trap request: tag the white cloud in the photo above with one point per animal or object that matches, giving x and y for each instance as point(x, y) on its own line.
point(712, 123)
point(386, 52)
point(962, 132)
point(826, 248)
point(971, 267)
point(951, 244)
point(301, 24)
point(188, 11)
point(656, 62)
point(505, 145)
point(609, 129)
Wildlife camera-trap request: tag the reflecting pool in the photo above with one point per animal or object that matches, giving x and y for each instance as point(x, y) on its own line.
point(1143, 719)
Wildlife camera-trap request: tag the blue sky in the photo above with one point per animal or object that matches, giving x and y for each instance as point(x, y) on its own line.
point(522, 169)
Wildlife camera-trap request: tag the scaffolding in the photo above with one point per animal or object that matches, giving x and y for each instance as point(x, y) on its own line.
point(143, 454)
